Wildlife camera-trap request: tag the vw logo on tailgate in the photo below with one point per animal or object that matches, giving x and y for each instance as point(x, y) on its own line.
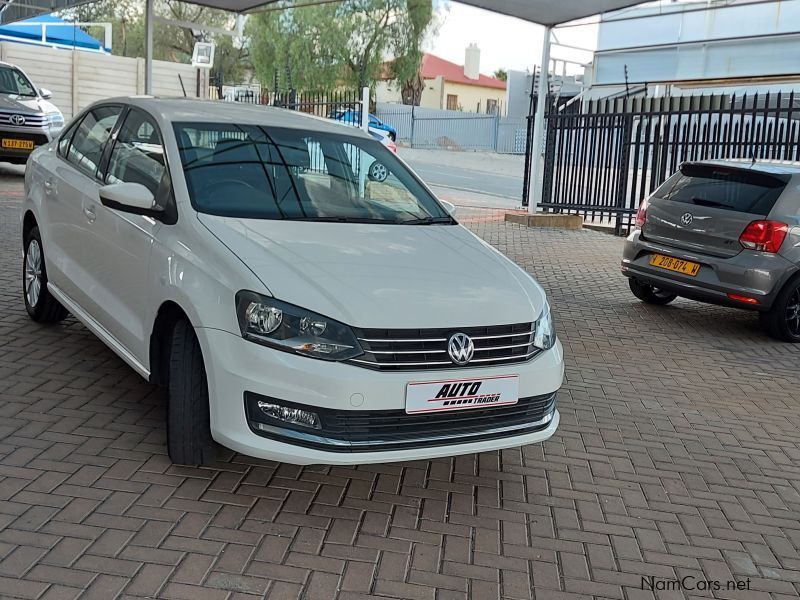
point(460, 348)
point(17, 119)
point(687, 219)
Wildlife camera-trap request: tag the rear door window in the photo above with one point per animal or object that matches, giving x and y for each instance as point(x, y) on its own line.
point(89, 141)
point(728, 188)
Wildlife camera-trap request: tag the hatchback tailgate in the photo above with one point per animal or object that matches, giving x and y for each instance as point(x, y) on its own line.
point(706, 207)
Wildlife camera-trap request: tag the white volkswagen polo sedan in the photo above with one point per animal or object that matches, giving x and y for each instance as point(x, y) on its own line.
point(298, 291)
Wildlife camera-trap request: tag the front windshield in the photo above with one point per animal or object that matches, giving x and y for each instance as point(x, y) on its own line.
point(255, 172)
point(12, 81)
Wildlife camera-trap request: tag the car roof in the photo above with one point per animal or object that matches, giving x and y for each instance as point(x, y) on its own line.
point(776, 167)
point(218, 111)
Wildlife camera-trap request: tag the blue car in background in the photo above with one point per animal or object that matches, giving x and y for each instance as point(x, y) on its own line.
point(354, 117)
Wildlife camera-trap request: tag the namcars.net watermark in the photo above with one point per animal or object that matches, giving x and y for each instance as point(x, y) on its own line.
point(691, 583)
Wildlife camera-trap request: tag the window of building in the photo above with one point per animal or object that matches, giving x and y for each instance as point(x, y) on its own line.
point(452, 102)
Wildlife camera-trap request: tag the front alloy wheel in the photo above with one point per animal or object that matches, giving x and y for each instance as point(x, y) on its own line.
point(41, 306)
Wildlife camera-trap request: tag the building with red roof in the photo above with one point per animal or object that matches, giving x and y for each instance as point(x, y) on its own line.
point(451, 86)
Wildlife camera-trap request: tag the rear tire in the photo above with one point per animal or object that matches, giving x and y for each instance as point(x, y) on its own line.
point(189, 438)
point(39, 303)
point(782, 320)
point(650, 294)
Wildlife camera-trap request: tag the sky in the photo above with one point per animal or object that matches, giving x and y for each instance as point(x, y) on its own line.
point(505, 42)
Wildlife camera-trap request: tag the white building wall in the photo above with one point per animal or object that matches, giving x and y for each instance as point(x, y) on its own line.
point(739, 40)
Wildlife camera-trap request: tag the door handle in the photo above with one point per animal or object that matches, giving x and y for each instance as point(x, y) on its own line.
point(90, 213)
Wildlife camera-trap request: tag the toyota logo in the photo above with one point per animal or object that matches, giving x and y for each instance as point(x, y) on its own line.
point(460, 348)
point(687, 219)
point(17, 119)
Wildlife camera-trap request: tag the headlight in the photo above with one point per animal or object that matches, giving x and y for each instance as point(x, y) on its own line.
point(55, 122)
point(290, 328)
point(545, 335)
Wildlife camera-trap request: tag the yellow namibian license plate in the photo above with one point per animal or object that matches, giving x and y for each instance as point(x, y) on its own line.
point(17, 144)
point(674, 264)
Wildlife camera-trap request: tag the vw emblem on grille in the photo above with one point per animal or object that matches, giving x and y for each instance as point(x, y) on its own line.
point(687, 219)
point(17, 119)
point(460, 348)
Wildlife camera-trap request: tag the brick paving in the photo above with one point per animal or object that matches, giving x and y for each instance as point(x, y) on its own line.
point(678, 455)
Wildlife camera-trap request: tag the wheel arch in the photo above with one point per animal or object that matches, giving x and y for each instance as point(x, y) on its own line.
point(28, 223)
point(169, 313)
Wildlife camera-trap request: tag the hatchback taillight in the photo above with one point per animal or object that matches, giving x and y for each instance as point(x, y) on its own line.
point(641, 214)
point(765, 236)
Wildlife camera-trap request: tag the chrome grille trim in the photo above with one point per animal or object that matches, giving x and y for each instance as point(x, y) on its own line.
point(416, 349)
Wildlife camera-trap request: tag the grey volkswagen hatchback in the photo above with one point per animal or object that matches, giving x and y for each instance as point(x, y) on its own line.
point(723, 232)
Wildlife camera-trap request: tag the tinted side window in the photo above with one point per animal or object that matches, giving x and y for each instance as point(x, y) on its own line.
point(66, 138)
point(138, 154)
point(90, 139)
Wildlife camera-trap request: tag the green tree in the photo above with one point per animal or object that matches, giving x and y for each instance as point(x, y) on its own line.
point(338, 43)
point(170, 42)
point(501, 74)
point(407, 64)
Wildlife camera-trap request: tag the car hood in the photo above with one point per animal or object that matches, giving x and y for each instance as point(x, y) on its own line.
point(383, 276)
point(25, 104)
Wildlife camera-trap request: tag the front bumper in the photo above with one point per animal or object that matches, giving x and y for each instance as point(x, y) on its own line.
point(758, 275)
point(236, 366)
point(37, 135)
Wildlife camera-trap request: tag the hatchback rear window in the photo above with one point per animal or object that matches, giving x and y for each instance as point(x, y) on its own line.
point(728, 188)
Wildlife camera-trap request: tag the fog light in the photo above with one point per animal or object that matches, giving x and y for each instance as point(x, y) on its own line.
point(295, 416)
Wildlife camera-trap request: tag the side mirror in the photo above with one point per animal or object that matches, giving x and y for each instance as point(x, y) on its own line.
point(131, 198)
point(449, 207)
point(45, 93)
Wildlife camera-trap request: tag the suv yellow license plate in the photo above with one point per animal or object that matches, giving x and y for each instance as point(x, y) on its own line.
point(674, 264)
point(17, 144)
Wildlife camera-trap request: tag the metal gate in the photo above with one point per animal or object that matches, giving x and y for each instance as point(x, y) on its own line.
point(601, 162)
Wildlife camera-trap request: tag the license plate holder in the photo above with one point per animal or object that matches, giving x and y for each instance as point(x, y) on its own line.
point(461, 394)
point(677, 265)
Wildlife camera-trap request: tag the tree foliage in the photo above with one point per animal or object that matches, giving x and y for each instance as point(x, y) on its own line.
point(338, 43)
point(170, 42)
point(501, 74)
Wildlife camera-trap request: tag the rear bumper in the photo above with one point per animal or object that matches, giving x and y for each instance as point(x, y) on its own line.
point(758, 275)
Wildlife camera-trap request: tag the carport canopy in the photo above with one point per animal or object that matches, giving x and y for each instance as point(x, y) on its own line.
point(543, 12)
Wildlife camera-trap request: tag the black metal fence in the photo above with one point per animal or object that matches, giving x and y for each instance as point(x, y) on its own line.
point(344, 105)
point(602, 161)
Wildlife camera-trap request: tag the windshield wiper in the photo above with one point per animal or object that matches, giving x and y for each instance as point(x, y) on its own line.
point(340, 219)
point(429, 221)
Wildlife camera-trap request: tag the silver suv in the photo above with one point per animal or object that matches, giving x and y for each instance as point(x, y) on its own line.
point(27, 118)
point(723, 232)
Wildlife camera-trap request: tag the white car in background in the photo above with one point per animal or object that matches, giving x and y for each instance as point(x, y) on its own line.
point(294, 307)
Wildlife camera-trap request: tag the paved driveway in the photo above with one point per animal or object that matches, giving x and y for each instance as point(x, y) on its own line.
point(678, 455)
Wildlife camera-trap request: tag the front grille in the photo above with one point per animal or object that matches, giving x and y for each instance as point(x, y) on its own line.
point(37, 121)
point(363, 431)
point(417, 349)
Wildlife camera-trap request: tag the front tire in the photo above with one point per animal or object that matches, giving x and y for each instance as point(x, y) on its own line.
point(782, 320)
point(650, 294)
point(39, 303)
point(189, 438)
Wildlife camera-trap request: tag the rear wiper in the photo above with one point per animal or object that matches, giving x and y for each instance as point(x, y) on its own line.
point(429, 221)
point(712, 203)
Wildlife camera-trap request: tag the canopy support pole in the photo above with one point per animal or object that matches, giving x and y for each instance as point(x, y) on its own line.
point(537, 144)
point(148, 47)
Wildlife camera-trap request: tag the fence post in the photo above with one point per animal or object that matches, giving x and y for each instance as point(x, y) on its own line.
point(411, 141)
point(365, 109)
